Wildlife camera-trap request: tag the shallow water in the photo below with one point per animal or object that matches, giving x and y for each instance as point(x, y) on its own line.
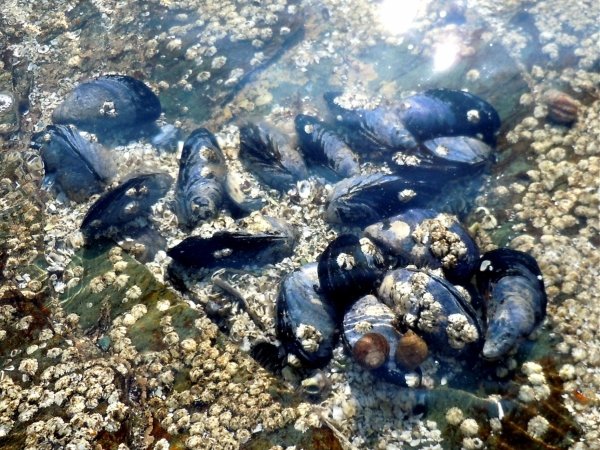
point(98, 350)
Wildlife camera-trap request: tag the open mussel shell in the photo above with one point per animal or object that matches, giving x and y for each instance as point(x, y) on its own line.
point(371, 337)
point(427, 239)
point(374, 131)
point(514, 299)
point(126, 206)
point(72, 164)
point(235, 249)
point(365, 199)
point(434, 309)
point(349, 268)
point(199, 192)
point(446, 112)
point(448, 157)
point(306, 322)
point(322, 145)
point(269, 155)
point(109, 101)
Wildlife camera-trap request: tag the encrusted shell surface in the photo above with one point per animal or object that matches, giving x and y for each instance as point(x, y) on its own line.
point(306, 322)
point(369, 316)
point(427, 239)
point(371, 131)
point(434, 309)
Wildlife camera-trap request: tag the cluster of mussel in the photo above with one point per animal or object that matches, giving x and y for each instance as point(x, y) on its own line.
point(401, 293)
point(397, 291)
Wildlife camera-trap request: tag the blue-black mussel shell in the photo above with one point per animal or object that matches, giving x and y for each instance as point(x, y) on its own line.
point(446, 157)
point(322, 145)
point(434, 309)
point(446, 112)
point(235, 249)
point(301, 303)
point(368, 310)
point(109, 102)
point(349, 268)
point(128, 206)
point(428, 115)
point(199, 192)
point(366, 199)
point(514, 299)
point(72, 164)
point(427, 239)
point(269, 155)
point(371, 131)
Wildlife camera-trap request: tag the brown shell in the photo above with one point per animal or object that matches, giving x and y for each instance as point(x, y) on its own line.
point(371, 351)
point(411, 351)
point(562, 108)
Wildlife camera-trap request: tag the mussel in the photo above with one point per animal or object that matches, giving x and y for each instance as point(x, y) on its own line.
point(322, 145)
point(366, 199)
point(235, 249)
point(371, 131)
point(514, 298)
point(448, 157)
point(427, 239)
point(126, 206)
point(370, 334)
point(199, 191)
point(109, 102)
point(431, 114)
point(447, 112)
point(306, 322)
point(268, 154)
point(349, 268)
point(434, 309)
point(72, 164)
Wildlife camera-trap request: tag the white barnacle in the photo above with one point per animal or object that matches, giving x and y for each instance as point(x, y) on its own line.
point(363, 326)
point(309, 337)
point(222, 253)
point(345, 261)
point(403, 159)
point(537, 426)
point(473, 116)
point(441, 150)
point(460, 331)
point(132, 208)
point(108, 109)
point(28, 366)
point(218, 62)
point(486, 265)
point(202, 76)
point(406, 195)
point(133, 293)
point(163, 305)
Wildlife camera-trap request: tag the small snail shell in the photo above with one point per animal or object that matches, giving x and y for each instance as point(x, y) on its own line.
point(562, 108)
point(411, 351)
point(371, 351)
